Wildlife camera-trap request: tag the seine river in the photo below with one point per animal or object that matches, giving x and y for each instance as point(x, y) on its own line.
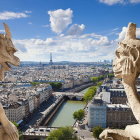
point(64, 116)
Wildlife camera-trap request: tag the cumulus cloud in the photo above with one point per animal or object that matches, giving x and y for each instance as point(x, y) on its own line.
point(12, 15)
point(60, 19)
point(20, 46)
point(122, 33)
point(86, 47)
point(76, 29)
point(111, 2)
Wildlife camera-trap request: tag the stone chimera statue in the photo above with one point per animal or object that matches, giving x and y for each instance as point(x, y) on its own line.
point(127, 67)
point(7, 130)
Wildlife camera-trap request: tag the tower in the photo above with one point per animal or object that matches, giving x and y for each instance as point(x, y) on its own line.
point(51, 62)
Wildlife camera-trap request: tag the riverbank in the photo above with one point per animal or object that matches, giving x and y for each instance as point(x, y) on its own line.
point(63, 112)
point(64, 115)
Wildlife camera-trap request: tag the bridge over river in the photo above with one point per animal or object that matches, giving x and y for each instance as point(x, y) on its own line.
point(78, 96)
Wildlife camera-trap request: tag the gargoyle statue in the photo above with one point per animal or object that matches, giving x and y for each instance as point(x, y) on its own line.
point(127, 67)
point(7, 130)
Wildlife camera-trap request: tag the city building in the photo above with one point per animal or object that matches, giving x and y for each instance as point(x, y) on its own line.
point(119, 115)
point(97, 113)
point(14, 112)
point(19, 101)
point(110, 108)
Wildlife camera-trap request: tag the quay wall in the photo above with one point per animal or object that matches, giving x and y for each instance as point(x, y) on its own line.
point(48, 116)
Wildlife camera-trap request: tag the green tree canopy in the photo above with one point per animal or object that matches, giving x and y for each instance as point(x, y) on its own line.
point(97, 131)
point(79, 115)
point(15, 124)
point(56, 85)
point(110, 75)
point(99, 84)
point(90, 93)
point(94, 79)
point(101, 77)
point(19, 132)
point(35, 83)
point(64, 133)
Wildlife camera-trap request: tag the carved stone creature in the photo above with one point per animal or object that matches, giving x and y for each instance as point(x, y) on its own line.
point(7, 130)
point(127, 67)
point(7, 51)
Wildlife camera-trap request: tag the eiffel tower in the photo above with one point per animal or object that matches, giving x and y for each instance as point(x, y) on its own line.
point(51, 62)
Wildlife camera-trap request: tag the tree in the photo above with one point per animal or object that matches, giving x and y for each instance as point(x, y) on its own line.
point(88, 97)
point(99, 84)
point(64, 133)
point(19, 132)
point(79, 115)
point(97, 131)
point(90, 93)
point(110, 75)
point(56, 85)
point(101, 77)
point(15, 124)
point(94, 79)
point(35, 83)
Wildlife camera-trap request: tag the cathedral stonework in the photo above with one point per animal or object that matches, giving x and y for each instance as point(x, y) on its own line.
point(7, 129)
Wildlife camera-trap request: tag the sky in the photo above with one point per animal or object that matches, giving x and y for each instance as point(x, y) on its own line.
point(72, 30)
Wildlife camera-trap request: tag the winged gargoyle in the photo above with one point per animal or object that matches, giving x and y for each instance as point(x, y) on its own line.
point(127, 67)
point(7, 130)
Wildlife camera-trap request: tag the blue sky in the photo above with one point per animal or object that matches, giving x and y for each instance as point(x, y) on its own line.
point(73, 30)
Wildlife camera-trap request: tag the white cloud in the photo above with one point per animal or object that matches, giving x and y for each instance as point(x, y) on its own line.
point(86, 47)
point(111, 2)
point(122, 34)
point(2, 31)
point(60, 19)
point(12, 15)
point(76, 29)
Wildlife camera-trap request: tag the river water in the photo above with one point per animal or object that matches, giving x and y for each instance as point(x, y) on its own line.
point(64, 116)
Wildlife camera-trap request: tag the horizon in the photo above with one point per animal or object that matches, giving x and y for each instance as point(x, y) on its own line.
point(100, 61)
point(79, 31)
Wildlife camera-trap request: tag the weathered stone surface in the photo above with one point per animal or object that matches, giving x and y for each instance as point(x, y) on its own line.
point(127, 67)
point(7, 130)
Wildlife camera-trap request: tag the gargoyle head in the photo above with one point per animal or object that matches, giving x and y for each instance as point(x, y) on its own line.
point(7, 51)
point(127, 58)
